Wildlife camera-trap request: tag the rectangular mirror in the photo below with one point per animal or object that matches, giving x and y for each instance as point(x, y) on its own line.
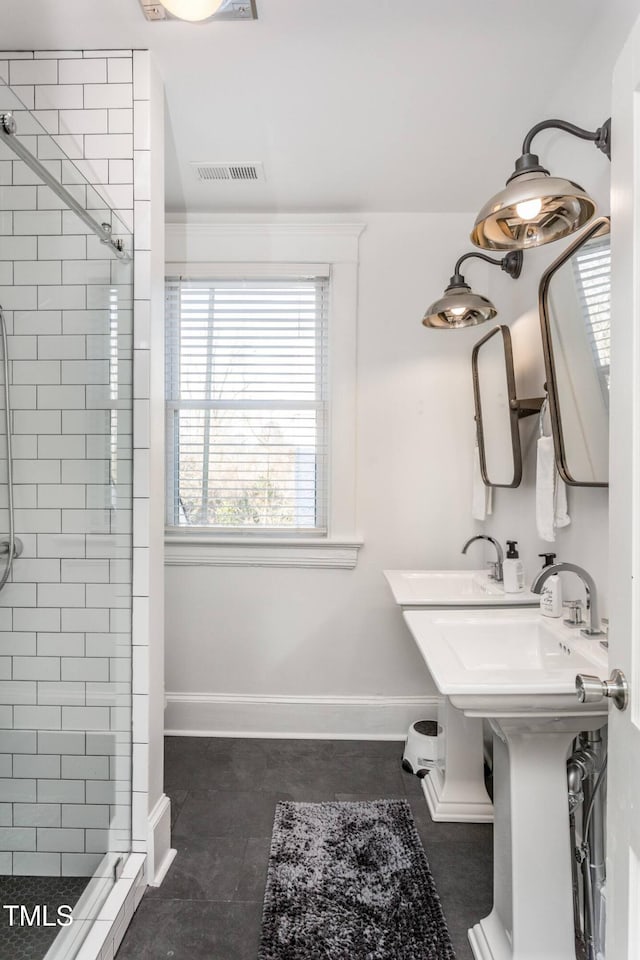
point(498, 410)
point(575, 311)
point(493, 389)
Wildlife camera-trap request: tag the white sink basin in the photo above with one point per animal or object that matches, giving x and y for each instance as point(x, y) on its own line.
point(506, 663)
point(460, 588)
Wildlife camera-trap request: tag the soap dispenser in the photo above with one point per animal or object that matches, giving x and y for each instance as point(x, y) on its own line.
point(551, 596)
point(512, 569)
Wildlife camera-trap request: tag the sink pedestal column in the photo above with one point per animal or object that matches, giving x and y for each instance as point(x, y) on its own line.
point(532, 914)
point(455, 789)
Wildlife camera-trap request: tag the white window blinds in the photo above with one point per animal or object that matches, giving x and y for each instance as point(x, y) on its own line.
point(592, 272)
point(246, 388)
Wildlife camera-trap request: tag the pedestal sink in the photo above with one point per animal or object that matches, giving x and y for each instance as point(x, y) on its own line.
point(517, 669)
point(455, 789)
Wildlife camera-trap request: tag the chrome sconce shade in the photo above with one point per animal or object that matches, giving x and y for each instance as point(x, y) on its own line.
point(460, 306)
point(535, 208)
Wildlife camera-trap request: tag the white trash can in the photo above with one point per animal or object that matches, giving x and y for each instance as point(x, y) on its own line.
point(421, 748)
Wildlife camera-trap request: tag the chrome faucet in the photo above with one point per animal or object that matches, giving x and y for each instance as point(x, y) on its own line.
point(496, 567)
point(593, 630)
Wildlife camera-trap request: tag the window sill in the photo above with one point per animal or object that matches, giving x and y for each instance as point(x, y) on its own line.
point(183, 550)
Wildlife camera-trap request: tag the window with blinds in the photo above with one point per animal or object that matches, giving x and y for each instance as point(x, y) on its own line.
point(246, 388)
point(592, 273)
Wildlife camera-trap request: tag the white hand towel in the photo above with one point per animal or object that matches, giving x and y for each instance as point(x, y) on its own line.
point(482, 500)
point(551, 494)
point(545, 490)
point(561, 510)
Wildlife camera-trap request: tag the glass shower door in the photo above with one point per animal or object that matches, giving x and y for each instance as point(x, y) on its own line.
point(65, 613)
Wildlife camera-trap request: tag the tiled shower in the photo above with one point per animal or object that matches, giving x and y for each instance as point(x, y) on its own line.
point(66, 613)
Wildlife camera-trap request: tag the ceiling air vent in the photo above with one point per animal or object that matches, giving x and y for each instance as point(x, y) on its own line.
point(238, 172)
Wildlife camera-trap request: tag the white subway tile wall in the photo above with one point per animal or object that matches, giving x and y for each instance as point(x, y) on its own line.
point(65, 620)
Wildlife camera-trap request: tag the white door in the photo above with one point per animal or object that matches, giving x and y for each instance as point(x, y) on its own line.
point(623, 817)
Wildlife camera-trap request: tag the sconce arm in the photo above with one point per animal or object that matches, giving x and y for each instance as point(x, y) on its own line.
point(601, 137)
point(511, 263)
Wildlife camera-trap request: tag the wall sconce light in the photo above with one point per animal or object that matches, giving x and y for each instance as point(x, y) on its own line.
point(460, 306)
point(536, 208)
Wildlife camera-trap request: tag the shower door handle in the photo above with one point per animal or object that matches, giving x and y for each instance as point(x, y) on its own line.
point(591, 689)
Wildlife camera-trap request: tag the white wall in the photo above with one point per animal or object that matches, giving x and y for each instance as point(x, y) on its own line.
point(151, 813)
point(238, 637)
point(262, 632)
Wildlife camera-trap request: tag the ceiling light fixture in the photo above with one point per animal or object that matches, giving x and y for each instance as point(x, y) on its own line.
point(195, 11)
point(460, 306)
point(198, 11)
point(536, 208)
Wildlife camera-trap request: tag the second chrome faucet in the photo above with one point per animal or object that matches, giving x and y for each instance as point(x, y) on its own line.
point(496, 566)
point(593, 630)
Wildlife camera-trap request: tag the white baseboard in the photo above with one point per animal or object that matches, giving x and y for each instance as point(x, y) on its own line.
point(163, 868)
point(348, 718)
point(160, 854)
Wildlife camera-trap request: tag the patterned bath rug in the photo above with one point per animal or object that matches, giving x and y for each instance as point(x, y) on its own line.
point(350, 881)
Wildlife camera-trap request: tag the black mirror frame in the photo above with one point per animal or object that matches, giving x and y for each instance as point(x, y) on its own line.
point(594, 228)
point(517, 408)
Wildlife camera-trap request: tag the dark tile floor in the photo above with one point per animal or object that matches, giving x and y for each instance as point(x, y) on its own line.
point(223, 794)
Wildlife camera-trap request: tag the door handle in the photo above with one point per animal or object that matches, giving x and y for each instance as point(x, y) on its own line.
point(591, 689)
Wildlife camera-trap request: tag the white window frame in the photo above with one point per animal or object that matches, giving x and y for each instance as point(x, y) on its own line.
point(294, 273)
point(204, 248)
